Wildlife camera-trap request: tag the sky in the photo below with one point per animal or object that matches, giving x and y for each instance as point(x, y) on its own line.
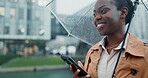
point(70, 6)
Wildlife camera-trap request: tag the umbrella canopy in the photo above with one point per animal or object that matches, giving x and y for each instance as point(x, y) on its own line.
point(76, 16)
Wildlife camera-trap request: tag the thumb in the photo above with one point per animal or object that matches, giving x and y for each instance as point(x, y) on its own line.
point(80, 64)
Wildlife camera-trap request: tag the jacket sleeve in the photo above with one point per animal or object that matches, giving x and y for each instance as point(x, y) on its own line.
point(87, 60)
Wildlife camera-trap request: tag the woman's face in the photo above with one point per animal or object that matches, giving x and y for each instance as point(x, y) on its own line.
point(106, 17)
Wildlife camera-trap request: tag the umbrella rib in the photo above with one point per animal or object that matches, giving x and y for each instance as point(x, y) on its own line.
point(60, 22)
point(49, 3)
point(57, 16)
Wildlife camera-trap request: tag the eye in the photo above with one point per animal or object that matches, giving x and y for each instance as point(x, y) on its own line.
point(104, 11)
point(101, 11)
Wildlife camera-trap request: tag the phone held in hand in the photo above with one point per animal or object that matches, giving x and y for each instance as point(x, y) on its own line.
point(70, 61)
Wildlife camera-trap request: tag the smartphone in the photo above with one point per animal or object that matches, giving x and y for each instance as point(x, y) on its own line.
point(70, 61)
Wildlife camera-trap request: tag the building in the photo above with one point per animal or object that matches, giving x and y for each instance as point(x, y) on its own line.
point(56, 28)
point(22, 21)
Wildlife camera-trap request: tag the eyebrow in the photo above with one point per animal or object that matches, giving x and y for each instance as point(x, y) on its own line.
point(101, 7)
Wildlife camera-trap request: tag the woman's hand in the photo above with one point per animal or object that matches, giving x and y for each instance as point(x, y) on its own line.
point(77, 71)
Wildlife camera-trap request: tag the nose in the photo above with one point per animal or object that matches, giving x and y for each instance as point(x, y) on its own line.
point(97, 18)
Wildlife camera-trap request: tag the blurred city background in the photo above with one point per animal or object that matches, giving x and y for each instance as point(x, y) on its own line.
point(31, 40)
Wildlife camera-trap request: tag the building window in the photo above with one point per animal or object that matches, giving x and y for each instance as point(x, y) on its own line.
point(29, 14)
point(28, 29)
point(21, 13)
point(21, 29)
point(2, 11)
point(6, 28)
point(12, 12)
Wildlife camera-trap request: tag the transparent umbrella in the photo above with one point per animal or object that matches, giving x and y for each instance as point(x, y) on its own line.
point(76, 16)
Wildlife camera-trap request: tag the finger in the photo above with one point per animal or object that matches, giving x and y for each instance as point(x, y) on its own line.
point(77, 72)
point(71, 69)
point(80, 64)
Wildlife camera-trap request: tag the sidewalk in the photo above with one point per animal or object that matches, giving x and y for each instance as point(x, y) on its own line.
point(37, 68)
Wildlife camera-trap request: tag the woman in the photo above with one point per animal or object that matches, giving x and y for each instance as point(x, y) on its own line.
point(110, 18)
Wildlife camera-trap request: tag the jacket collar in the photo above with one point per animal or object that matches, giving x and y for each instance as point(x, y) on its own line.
point(135, 46)
point(95, 47)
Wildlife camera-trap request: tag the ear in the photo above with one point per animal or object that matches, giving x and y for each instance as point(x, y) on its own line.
point(124, 12)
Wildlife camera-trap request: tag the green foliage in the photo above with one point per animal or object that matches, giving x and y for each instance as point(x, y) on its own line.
point(34, 61)
point(6, 58)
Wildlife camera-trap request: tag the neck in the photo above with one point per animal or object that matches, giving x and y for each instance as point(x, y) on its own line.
point(114, 40)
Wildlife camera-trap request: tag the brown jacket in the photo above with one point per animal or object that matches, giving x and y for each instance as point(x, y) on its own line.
point(133, 65)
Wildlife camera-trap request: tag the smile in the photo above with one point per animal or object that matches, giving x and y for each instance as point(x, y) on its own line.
point(99, 25)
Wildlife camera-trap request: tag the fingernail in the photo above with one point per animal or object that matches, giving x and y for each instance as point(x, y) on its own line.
point(78, 70)
point(87, 75)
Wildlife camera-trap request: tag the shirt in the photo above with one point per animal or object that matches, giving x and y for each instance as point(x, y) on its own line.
point(107, 61)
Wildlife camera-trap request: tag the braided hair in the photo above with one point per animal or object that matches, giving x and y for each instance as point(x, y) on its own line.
point(125, 3)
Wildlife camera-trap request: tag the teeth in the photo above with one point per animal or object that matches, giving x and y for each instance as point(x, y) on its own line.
point(99, 25)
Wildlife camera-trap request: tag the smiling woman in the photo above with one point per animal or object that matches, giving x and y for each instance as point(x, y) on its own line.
point(103, 59)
